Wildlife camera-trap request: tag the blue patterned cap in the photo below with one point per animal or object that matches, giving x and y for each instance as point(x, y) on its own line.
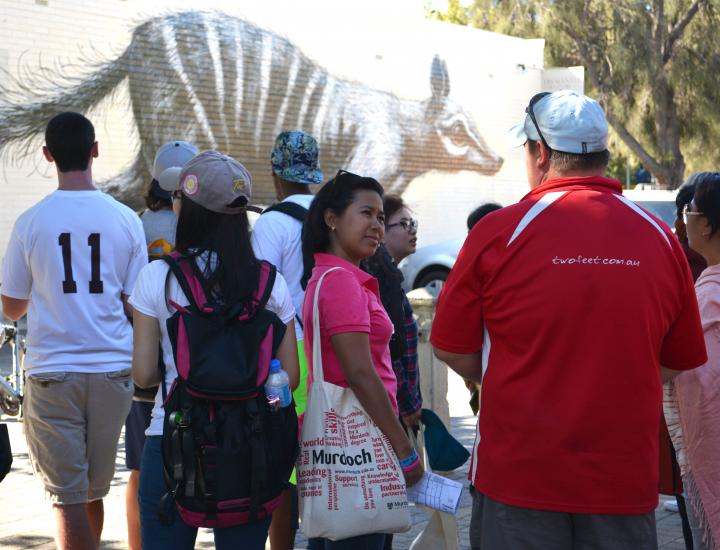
point(295, 158)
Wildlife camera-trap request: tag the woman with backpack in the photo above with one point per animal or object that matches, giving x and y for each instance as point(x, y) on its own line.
point(345, 225)
point(213, 246)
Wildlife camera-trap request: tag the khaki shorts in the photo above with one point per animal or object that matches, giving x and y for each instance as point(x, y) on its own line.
point(72, 425)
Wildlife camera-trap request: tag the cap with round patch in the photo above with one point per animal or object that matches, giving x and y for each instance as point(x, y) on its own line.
point(217, 182)
point(189, 184)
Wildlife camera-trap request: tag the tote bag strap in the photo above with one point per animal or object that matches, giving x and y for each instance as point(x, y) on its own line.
point(317, 351)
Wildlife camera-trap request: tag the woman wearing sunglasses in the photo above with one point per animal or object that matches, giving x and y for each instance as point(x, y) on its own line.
point(697, 391)
point(345, 225)
point(400, 241)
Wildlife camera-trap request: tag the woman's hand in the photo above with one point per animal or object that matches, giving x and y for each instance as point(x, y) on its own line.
point(412, 420)
point(414, 472)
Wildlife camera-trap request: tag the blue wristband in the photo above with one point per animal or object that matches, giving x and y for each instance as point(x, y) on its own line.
point(405, 462)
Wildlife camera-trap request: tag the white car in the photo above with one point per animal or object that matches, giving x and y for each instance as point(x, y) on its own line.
point(659, 203)
point(430, 265)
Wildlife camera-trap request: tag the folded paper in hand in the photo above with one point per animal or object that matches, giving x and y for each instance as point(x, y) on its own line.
point(436, 492)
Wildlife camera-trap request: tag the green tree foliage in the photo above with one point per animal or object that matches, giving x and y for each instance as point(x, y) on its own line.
point(653, 64)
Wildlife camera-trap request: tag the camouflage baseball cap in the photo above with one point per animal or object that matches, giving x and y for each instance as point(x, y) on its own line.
point(295, 158)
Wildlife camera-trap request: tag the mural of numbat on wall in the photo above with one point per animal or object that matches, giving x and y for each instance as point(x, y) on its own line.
point(223, 83)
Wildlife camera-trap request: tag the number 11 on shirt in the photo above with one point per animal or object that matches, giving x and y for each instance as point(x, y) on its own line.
point(69, 285)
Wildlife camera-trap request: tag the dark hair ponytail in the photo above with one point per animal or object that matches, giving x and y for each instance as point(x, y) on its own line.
point(232, 272)
point(336, 195)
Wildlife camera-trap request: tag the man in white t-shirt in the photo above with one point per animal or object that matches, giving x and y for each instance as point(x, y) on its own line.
point(276, 238)
point(71, 263)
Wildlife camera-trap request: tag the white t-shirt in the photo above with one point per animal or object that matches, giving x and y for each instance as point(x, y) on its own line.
point(276, 237)
point(73, 255)
point(149, 298)
point(159, 227)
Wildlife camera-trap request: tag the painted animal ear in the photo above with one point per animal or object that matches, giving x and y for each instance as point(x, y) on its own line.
point(439, 79)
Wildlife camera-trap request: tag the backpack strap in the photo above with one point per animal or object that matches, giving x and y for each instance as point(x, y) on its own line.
point(268, 274)
point(260, 296)
point(188, 280)
point(296, 211)
point(291, 209)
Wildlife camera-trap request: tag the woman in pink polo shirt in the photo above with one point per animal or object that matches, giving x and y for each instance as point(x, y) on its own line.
point(345, 225)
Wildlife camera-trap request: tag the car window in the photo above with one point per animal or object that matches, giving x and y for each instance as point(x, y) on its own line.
point(664, 210)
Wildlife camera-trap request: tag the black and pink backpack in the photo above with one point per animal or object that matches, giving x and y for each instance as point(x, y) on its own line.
point(227, 455)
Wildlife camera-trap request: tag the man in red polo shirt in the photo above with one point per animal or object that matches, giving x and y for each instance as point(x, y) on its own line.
point(571, 307)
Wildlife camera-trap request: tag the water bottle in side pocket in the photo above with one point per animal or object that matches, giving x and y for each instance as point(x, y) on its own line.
point(277, 387)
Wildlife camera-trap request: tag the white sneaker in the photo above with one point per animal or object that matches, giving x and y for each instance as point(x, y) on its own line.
point(670, 505)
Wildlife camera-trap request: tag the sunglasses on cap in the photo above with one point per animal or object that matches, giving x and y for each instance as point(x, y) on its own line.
point(531, 113)
point(344, 173)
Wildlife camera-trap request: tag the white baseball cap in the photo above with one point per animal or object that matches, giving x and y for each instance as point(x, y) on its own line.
point(567, 121)
point(169, 159)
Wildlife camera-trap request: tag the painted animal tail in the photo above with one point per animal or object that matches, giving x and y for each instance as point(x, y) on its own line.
point(28, 102)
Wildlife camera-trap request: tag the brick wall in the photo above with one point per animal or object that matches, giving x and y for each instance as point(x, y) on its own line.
point(150, 71)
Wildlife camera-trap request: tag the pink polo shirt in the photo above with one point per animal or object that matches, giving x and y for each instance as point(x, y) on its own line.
point(349, 302)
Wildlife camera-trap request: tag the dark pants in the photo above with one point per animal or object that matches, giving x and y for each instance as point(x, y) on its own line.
point(497, 526)
point(178, 535)
point(687, 532)
point(363, 542)
point(682, 509)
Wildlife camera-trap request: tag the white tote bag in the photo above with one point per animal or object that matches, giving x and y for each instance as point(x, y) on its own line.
point(349, 479)
point(441, 531)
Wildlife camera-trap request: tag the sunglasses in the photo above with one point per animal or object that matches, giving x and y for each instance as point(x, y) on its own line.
point(407, 225)
point(531, 113)
point(177, 194)
point(686, 213)
point(343, 173)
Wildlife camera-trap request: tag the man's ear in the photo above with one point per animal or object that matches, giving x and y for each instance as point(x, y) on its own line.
point(94, 150)
point(543, 157)
point(47, 154)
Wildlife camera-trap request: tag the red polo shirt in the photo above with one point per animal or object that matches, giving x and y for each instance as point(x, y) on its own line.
point(575, 296)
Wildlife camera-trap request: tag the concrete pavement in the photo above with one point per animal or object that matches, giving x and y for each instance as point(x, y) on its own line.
point(27, 522)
